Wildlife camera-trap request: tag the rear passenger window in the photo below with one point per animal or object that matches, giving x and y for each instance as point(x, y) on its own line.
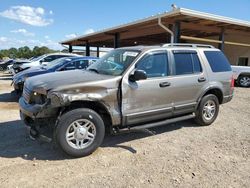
point(186, 63)
point(196, 63)
point(218, 61)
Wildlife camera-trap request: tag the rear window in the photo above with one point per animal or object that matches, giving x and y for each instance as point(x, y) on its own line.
point(218, 61)
point(186, 63)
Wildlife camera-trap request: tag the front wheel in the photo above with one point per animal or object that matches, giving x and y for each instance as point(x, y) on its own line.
point(80, 132)
point(207, 110)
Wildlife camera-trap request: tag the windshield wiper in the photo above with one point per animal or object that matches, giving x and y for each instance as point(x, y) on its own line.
point(93, 70)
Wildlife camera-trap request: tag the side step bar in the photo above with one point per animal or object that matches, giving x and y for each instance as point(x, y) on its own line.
point(155, 124)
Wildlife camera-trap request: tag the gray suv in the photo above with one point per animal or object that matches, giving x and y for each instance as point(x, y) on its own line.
point(128, 89)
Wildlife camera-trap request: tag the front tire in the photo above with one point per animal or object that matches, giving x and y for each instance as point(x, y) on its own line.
point(80, 132)
point(207, 110)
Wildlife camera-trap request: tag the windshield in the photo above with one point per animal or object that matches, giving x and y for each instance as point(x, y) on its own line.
point(57, 62)
point(115, 62)
point(38, 58)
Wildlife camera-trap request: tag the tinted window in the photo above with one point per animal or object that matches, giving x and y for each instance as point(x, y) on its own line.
point(50, 58)
point(70, 66)
point(187, 63)
point(218, 61)
point(83, 64)
point(155, 65)
point(196, 63)
point(183, 64)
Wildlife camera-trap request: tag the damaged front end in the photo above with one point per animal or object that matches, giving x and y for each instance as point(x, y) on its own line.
point(37, 113)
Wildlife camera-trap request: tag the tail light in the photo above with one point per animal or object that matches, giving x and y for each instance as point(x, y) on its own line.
point(232, 82)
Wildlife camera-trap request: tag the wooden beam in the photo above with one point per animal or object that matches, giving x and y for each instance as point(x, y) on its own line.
point(214, 41)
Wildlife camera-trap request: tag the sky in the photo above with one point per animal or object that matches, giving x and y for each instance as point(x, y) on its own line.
point(47, 22)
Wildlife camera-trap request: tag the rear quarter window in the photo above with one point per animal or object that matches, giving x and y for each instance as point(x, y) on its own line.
point(217, 61)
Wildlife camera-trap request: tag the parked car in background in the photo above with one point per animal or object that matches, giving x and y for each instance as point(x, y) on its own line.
point(128, 89)
point(5, 64)
point(62, 64)
point(17, 63)
point(241, 75)
point(45, 59)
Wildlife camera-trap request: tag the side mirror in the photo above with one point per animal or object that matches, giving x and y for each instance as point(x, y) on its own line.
point(138, 75)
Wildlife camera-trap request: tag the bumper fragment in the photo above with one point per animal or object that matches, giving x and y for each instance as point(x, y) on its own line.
point(30, 110)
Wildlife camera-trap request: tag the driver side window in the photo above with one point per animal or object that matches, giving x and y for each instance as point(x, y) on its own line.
point(70, 66)
point(155, 65)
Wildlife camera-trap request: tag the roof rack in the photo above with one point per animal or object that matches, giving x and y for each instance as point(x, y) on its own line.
point(188, 45)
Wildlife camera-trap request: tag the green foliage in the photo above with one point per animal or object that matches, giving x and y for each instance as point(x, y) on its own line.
point(25, 52)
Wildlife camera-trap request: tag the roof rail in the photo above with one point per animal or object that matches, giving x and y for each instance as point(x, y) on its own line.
point(188, 45)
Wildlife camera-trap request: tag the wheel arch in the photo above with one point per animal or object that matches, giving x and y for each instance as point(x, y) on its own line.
point(96, 106)
point(244, 74)
point(215, 91)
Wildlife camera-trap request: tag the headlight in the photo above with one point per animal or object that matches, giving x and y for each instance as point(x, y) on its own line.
point(38, 98)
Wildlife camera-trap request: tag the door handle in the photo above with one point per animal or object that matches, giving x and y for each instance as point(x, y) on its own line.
point(201, 79)
point(164, 84)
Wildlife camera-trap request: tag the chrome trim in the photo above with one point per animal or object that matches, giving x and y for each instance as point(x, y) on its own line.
point(149, 112)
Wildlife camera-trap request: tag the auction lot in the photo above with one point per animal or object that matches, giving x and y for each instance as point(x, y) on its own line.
point(176, 155)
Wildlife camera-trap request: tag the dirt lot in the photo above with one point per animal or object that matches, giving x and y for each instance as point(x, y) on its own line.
point(177, 155)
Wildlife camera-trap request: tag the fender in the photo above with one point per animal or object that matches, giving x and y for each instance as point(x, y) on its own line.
point(205, 91)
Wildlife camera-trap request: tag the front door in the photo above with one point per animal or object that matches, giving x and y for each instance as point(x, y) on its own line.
point(150, 99)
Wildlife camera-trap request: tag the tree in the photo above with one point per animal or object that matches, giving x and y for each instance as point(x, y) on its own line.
point(12, 53)
point(25, 52)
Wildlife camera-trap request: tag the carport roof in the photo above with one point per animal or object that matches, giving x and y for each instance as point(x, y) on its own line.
point(193, 23)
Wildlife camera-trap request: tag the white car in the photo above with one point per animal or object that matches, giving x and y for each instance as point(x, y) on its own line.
point(241, 75)
point(45, 59)
point(10, 69)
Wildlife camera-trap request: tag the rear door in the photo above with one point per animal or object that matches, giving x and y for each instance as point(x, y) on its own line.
point(187, 80)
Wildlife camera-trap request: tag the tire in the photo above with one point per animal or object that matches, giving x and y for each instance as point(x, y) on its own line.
point(205, 113)
point(1, 68)
point(244, 81)
point(80, 132)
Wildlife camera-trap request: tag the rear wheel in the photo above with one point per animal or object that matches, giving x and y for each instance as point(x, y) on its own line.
point(80, 132)
point(208, 110)
point(244, 81)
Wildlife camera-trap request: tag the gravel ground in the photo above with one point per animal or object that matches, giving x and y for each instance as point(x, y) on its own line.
point(177, 155)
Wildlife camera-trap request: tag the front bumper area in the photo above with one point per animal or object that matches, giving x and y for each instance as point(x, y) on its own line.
point(37, 111)
point(39, 120)
point(30, 110)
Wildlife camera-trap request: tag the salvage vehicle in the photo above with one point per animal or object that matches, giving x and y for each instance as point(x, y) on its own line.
point(17, 64)
point(128, 89)
point(5, 64)
point(62, 64)
point(241, 75)
point(44, 60)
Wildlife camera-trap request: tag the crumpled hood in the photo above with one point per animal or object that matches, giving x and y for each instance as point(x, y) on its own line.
point(69, 80)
